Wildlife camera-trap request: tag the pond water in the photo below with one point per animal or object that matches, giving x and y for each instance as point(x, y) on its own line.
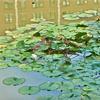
point(32, 79)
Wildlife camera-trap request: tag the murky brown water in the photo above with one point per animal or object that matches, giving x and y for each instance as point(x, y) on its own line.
point(16, 14)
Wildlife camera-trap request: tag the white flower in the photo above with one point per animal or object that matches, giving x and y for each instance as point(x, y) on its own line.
point(34, 57)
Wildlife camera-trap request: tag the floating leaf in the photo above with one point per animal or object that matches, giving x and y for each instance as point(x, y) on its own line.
point(52, 73)
point(66, 96)
point(66, 86)
point(83, 15)
point(5, 39)
point(91, 12)
point(3, 64)
point(25, 67)
point(14, 81)
point(20, 44)
point(50, 86)
point(44, 98)
point(28, 90)
point(71, 17)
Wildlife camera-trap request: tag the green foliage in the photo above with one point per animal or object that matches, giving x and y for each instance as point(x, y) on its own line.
point(28, 90)
point(47, 98)
point(14, 81)
point(5, 39)
point(56, 47)
point(50, 86)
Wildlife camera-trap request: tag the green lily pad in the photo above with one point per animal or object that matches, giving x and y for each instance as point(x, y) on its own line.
point(66, 86)
point(44, 98)
point(54, 73)
point(47, 98)
point(25, 67)
point(20, 44)
point(65, 96)
point(3, 64)
point(5, 39)
point(50, 86)
point(91, 12)
point(83, 15)
point(14, 81)
point(71, 17)
point(69, 96)
point(28, 90)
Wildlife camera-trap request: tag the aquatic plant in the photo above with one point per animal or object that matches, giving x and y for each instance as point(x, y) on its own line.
point(70, 52)
point(80, 15)
point(13, 81)
point(28, 90)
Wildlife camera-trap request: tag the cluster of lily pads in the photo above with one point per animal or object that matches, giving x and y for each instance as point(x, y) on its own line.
point(56, 47)
point(79, 15)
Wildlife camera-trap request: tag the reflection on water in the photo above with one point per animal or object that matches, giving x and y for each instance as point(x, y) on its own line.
point(17, 13)
point(32, 78)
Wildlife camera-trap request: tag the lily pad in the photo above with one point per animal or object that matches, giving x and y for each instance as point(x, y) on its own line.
point(13, 81)
point(54, 73)
point(3, 64)
point(5, 39)
point(49, 86)
point(44, 98)
point(83, 15)
point(25, 67)
point(47, 98)
point(91, 12)
point(65, 96)
point(28, 90)
point(71, 17)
